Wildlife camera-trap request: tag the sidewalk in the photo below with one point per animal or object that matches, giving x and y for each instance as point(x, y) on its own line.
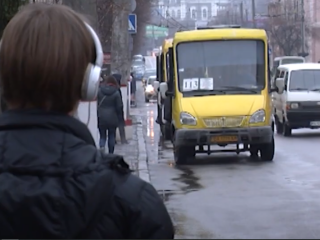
point(129, 151)
point(134, 153)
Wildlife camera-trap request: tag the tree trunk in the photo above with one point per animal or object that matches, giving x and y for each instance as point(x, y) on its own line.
point(144, 15)
point(88, 8)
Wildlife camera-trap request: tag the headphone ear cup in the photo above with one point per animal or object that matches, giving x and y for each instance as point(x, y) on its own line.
point(90, 83)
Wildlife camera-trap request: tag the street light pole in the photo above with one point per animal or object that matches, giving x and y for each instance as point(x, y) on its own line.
point(241, 14)
point(303, 29)
point(254, 13)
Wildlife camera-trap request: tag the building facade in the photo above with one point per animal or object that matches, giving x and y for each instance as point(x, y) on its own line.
point(188, 13)
point(311, 9)
point(312, 13)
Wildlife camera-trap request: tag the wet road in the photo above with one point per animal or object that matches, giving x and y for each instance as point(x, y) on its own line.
point(151, 62)
point(229, 196)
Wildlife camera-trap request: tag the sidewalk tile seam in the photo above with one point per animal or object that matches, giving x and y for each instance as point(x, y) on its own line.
point(143, 169)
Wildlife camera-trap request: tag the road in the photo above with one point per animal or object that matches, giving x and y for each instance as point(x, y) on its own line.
point(151, 62)
point(229, 196)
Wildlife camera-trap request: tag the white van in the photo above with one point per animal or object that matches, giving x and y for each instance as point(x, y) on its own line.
point(278, 61)
point(296, 104)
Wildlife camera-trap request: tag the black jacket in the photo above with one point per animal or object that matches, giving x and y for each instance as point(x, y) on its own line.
point(118, 77)
point(110, 107)
point(56, 184)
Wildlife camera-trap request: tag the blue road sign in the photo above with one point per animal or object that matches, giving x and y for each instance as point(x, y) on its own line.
point(132, 21)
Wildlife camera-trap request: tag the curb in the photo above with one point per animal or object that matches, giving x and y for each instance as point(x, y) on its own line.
point(143, 169)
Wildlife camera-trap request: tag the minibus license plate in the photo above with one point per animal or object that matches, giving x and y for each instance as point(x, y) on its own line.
point(315, 124)
point(222, 139)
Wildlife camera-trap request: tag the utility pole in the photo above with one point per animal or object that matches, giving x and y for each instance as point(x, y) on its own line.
point(303, 30)
point(153, 38)
point(241, 13)
point(247, 16)
point(254, 13)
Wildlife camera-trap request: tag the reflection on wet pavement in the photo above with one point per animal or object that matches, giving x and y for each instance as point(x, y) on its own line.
point(152, 136)
point(187, 176)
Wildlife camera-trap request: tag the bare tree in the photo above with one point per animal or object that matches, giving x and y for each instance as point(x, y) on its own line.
point(88, 8)
point(105, 22)
point(225, 17)
point(285, 32)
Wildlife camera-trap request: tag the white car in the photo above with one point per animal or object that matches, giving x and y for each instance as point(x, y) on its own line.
point(149, 91)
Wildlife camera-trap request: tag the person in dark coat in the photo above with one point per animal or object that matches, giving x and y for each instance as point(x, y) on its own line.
point(133, 89)
point(109, 112)
point(121, 126)
point(55, 183)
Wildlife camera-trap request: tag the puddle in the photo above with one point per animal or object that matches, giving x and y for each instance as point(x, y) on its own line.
point(189, 179)
point(166, 194)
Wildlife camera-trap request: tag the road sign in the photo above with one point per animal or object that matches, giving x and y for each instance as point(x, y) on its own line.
point(155, 31)
point(132, 21)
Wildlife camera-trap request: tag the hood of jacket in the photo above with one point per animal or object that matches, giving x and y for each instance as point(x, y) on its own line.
point(118, 77)
point(109, 90)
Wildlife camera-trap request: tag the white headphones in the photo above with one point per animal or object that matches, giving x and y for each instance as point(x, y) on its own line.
point(91, 79)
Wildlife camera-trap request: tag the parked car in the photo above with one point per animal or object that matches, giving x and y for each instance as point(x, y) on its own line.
point(147, 74)
point(149, 91)
point(138, 57)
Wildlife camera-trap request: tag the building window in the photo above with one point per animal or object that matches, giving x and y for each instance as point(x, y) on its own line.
point(179, 13)
point(204, 13)
point(173, 14)
point(167, 14)
point(193, 13)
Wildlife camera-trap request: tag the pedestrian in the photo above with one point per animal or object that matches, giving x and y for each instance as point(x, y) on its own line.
point(109, 112)
point(55, 183)
point(133, 89)
point(121, 125)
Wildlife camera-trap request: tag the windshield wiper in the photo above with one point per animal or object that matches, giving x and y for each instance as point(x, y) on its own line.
point(241, 89)
point(199, 93)
point(315, 89)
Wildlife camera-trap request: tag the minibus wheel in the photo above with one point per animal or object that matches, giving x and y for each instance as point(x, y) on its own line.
point(183, 153)
point(267, 151)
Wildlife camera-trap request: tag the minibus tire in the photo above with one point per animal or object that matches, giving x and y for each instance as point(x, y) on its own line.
point(267, 151)
point(183, 153)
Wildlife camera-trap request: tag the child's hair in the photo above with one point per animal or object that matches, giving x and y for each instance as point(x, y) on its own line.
point(45, 51)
